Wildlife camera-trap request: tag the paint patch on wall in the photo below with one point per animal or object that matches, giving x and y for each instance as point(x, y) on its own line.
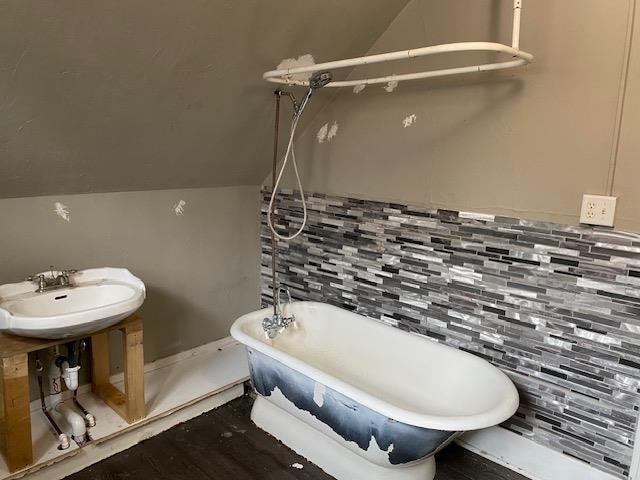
point(326, 133)
point(391, 86)
point(333, 131)
point(322, 133)
point(358, 88)
point(409, 120)
point(178, 208)
point(302, 61)
point(62, 211)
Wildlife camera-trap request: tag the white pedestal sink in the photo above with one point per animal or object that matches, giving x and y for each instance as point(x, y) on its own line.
point(97, 298)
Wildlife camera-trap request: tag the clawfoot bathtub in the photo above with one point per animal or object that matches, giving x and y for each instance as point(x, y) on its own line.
point(364, 400)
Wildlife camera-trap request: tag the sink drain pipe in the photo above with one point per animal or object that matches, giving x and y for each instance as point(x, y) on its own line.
point(63, 438)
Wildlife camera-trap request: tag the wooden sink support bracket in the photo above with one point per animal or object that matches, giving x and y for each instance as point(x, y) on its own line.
point(15, 415)
point(129, 405)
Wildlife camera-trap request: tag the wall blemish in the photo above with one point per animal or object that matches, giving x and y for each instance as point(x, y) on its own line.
point(391, 86)
point(333, 131)
point(18, 63)
point(178, 208)
point(302, 61)
point(62, 211)
point(358, 88)
point(326, 133)
point(409, 120)
point(322, 133)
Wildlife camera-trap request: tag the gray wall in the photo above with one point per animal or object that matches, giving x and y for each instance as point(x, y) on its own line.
point(200, 268)
point(526, 142)
point(627, 171)
point(103, 96)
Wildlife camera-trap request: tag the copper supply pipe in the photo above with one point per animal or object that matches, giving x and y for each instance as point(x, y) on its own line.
point(274, 241)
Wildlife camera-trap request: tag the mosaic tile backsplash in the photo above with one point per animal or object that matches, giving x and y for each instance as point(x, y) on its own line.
point(555, 307)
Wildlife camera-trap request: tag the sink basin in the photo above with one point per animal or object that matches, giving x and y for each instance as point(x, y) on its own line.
point(97, 298)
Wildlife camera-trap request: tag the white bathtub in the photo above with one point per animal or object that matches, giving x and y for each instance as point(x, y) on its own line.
point(364, 400)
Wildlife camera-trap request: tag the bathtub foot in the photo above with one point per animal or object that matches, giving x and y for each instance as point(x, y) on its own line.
point(331, 455)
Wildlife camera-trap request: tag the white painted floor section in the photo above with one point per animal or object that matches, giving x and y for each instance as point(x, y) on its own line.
point(528, 458)
point(177, 388)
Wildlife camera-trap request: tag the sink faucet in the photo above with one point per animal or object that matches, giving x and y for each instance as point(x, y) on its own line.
point(53, 282)
point(275, 324)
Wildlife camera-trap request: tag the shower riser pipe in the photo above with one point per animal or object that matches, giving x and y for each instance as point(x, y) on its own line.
point(274, 240)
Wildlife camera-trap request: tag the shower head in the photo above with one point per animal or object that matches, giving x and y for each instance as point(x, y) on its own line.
point(316, 81)
point(320, 79)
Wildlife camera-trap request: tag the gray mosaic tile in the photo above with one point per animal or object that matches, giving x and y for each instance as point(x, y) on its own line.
point(556, 307)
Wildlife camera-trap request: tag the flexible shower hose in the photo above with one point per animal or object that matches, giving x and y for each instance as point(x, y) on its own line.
point(290, 152)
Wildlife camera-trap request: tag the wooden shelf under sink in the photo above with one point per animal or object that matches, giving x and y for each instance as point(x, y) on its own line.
point(15, 415)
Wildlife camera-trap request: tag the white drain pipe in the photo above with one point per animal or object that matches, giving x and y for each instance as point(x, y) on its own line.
point(75, 420)
point(66, 409)
point(70, 376)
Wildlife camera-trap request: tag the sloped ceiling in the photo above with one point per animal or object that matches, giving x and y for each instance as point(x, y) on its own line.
point(116, 95)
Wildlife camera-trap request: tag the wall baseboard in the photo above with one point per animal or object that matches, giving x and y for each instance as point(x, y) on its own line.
point(528, 458)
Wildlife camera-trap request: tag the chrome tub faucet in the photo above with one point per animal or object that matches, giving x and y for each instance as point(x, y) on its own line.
point(278, 322)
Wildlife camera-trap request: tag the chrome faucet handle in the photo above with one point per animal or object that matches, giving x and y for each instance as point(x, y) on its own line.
point(66, 273)
point(63, 277)
point(270, 322)
point(39, 279)
point(35, 278)
point(272, 325)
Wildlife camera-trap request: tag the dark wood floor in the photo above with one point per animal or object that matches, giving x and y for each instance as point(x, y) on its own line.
point(224, 444)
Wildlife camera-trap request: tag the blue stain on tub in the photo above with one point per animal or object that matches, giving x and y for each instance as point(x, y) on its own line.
point(351, 420)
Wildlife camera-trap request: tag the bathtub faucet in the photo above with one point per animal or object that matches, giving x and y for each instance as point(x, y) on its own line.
point(279, 321)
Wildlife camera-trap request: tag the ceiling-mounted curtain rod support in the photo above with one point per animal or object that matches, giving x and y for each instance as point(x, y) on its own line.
point(285, 76)
point(517, 18)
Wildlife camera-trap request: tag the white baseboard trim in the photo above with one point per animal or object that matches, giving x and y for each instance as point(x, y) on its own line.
point(528, 458)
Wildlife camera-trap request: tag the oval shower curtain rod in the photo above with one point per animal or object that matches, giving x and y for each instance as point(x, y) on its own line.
point(285, 76)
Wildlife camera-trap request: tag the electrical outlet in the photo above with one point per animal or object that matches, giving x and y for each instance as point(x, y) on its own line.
point(598, 210)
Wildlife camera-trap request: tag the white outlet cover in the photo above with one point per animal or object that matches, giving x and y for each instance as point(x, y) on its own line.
point(598, 210)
